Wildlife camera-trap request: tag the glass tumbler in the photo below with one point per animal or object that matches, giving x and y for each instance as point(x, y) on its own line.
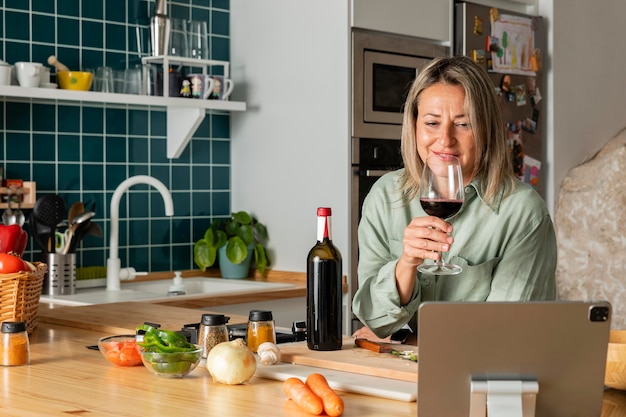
point(178, 38)
point(133, 80)
point(103, 81)
point(198, 39)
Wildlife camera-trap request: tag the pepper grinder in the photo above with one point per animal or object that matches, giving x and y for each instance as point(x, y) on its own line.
point(160, 29)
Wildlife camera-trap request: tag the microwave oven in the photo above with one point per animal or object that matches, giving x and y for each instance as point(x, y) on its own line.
point(383, 69)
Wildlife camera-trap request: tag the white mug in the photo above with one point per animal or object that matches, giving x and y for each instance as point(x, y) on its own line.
point(222, 87)
point(28, 73)
point(201, 86)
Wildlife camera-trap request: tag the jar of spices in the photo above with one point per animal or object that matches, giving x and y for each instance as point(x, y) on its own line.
point(14, 347)
point(260, 329)
point(212, 332)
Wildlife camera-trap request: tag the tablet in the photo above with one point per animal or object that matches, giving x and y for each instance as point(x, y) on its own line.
point(558, 346)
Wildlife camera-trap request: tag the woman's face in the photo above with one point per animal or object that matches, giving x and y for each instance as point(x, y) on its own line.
point(442, 127)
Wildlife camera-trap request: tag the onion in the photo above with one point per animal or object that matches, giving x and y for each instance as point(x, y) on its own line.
point(231, 363)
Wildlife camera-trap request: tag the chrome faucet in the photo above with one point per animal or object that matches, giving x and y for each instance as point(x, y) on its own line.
point(114, 263)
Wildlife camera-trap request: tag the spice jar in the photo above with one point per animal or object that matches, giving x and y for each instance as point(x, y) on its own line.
point(212, 332)
point(260, 329)
point(14, 347)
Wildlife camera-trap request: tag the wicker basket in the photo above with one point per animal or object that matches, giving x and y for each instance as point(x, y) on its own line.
point(19, 295)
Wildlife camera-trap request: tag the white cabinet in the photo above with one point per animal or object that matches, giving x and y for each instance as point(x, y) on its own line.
point(428, 19)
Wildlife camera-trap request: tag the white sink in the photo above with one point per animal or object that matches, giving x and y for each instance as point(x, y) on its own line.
point(158, 290)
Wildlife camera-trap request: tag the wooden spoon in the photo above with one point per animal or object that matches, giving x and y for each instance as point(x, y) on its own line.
point(52, 60)
point(75, 209)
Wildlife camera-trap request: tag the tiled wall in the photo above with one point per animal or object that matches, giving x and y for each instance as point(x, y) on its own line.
point(82, 152)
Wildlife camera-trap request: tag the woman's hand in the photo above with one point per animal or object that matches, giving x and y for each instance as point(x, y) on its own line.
point(423, 239)
point(366, 333)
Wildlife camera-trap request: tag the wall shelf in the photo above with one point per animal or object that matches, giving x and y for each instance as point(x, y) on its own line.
point(29, 192)
point(184, 115)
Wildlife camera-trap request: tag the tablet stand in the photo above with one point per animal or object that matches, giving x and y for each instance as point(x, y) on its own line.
point(513, 398)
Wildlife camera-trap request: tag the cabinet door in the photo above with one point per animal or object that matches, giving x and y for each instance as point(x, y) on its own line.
point(429, 19)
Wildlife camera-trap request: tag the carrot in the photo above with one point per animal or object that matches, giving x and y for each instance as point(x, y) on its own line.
point(333, 404)
point(298, 392)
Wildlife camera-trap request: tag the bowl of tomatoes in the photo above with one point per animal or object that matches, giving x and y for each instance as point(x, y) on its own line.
point(121, 350)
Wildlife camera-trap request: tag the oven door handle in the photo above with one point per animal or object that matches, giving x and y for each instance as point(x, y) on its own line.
point(375, 172)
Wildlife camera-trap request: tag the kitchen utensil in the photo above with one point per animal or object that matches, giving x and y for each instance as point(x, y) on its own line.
point(20, 218)
point(75, 209)
point(52, 60)
point(72, 228)
point(49, 211)
point(60, 279)
point(386, 348)
point(8, 217)
point(75, 80)
point(160, 29)
point(39, 232)
point(93, 229)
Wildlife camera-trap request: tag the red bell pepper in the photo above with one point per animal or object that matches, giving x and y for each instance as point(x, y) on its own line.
point(13, 239)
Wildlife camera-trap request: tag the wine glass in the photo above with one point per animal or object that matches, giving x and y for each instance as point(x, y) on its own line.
point(441, 195)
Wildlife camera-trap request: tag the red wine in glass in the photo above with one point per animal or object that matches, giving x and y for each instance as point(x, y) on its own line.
point(441, 208)
point(441, 195)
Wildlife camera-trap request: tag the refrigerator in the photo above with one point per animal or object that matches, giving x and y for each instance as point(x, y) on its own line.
point(509, 46)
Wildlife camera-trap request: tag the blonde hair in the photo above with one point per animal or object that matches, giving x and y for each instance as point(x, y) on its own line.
point(493, 160)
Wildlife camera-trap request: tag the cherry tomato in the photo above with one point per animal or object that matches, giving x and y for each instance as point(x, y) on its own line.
point(123, 353)
point(11, 263)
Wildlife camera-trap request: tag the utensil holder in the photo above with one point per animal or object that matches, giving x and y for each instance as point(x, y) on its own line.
point(61, 276)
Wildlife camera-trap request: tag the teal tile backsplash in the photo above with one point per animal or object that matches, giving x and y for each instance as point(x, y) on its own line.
point(83, 151)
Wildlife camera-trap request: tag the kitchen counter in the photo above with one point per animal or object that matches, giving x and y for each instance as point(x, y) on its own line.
point(66, 378)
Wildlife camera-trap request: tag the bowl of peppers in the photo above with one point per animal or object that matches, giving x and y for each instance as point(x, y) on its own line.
point(167, 353)
point(121, 350)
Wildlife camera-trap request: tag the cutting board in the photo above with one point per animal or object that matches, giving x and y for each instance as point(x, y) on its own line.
point(353, 359)
point(120, 318)
point(344, 381)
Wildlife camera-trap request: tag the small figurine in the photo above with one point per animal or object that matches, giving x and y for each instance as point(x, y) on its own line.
point(186, 90)
point(196, 87)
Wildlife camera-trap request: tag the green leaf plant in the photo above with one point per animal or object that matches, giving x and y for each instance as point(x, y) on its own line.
point(238, 232)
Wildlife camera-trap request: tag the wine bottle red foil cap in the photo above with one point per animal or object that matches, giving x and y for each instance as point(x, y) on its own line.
point(323, 211)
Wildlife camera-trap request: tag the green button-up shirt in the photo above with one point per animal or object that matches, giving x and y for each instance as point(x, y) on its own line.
point(507, 251)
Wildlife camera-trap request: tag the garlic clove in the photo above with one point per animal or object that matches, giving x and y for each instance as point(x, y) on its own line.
point(269, 353)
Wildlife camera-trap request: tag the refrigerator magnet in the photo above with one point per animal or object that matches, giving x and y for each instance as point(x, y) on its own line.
point(494, 14)
point(478, 26)
point(505, 83)
point(478, 55)
point(520, 95)
point(529, 125)
point(535, 60)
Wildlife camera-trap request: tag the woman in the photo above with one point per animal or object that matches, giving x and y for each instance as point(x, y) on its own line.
point(502, 237)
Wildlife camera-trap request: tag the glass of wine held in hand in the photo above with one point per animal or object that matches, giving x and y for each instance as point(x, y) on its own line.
point(441, 195)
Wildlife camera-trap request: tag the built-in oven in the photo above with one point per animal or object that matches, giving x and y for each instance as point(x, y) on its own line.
point(383, 69)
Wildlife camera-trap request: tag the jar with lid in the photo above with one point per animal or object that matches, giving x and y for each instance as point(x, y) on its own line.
point(260, 328)
point(14, 347)
point(212, 332)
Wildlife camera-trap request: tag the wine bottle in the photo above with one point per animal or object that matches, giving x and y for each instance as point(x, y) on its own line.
point(324, 289)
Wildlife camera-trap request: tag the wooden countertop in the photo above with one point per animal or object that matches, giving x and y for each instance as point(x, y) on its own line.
point(65, 378)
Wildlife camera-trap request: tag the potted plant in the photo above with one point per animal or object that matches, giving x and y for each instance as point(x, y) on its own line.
point(235, 239)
